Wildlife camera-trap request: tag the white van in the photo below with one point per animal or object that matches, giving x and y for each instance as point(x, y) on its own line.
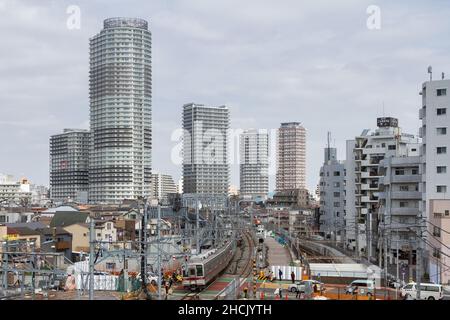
point(361, 287)
point(428, 291)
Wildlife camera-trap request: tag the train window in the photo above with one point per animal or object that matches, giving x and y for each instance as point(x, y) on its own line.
point(192, 272)
point(199, 270)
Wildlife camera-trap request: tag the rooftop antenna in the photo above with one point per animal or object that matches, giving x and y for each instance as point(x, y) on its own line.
point(383, 110)
point(443, 75)
point(328, 144)
point(430, 71)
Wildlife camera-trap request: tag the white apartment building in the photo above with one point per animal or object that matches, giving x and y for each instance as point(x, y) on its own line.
point(254, 163)
point(399, 207)
point(120, 91)
point(332, 196)
point(14, 193)
point(291, 157)
point(435, 132)
point(205, 149)
point(369, 149)
point(161, 186)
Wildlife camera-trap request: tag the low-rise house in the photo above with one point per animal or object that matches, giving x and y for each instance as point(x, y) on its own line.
point(126, 230)
point(15, 215)
point(66, 218)
point(166, 227)
point(80, 237)
point(105, 231)
point(56, 240)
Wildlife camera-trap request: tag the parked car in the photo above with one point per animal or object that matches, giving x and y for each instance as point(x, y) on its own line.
point(428, 291)
point(392, 283)
point(300, 286)
point(151, 278)
point(361, 286)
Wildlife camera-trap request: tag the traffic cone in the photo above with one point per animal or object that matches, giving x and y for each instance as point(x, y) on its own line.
point(277, 297)
point(261, 295)
point(286, 297)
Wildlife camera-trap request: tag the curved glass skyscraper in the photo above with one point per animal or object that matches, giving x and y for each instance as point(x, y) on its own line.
point(120, 111)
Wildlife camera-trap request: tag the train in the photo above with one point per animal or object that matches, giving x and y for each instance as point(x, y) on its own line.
point(202, 269)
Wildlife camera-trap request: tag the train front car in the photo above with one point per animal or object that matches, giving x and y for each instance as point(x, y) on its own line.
point(202, 269)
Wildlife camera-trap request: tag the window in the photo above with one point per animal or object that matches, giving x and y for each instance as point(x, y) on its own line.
point(404, 188)
point(403, 204)
point(391, 147)
point(441, 111)
point(441, 131)
point(415, 171)
point(336, 184)
point(408, 287)
point(110, 265)
point(436, 231)
point(447, 213)
point(2, 219)
point(441, 189)
point(436, 253)
point(337, 173)
point(337, 204)
point(337, 194)
point(441, 150)
point(199, 268)
point(441, 92)
point(441, 169)
point(399, 172)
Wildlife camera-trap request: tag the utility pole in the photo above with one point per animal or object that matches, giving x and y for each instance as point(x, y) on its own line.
point(143, 247)
point(419, 257)
point(158, 226)
point(91, 258)
point(197, 227)
point(5, 267)
point(397, 280)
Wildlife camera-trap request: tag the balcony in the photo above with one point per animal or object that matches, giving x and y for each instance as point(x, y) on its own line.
point(414, 195)
point(414, 178)
point(62, 245)
point(405, 211)
point(422, 113)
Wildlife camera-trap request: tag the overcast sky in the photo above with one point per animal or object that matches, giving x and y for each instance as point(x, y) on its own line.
point(315, 62)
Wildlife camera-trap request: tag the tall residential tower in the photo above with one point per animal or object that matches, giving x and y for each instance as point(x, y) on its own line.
point(205, 150)
point(69, 162)
point(291, 157)
point(254, 163)
point(120, 111)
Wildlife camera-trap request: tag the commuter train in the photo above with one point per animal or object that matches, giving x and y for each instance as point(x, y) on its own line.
point(204, 268)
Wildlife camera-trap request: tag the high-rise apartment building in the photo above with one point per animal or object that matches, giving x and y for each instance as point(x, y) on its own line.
point(435, 133)
point(291, 157)
point(120, 111)
point(162, 185)
point(368, 150)
point(399, 201)
point(254, 163)
point(332, 174)
point(205, 150)
point(69, 165)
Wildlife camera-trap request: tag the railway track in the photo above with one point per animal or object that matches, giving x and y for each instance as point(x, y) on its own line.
point(242, 262)
point(247, 270)
point(191, 296)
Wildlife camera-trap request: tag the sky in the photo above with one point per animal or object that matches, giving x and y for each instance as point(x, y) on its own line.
point(315, 62)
